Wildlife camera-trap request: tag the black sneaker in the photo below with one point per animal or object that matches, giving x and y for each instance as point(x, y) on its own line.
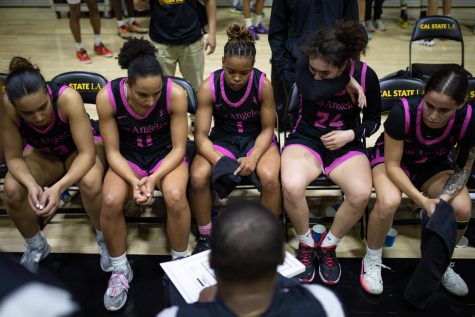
point(329, 268)
point(202, 244)
point(306, 255)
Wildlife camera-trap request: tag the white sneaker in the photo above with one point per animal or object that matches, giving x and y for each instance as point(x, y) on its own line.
point(117, 289)
point(370, 276)
point(379, 25)
point(32, 257)
point(426, 42)
point(369, 26)
point(453, 283)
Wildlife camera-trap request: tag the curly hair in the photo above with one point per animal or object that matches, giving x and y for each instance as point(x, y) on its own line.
point(336, 45)
point(138, 57)
point(240, 42)
point(23, 79)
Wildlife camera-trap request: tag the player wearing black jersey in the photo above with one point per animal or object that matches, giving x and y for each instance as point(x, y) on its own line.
point(327, 137)
point(241, 101)
point(414, 158)
point(54, 122)
point(144, 125)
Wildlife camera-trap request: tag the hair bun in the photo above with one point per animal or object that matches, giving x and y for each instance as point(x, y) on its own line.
point(134, 48)
point(19, 63)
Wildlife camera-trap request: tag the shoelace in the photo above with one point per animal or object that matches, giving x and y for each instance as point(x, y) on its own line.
point(117, 283)
point(450, 274)
point(329, 256)
point(306, 255)
point(372, 272)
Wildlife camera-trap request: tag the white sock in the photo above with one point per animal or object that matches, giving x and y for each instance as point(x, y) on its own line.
point(97, 39)
point(79, 46)
point(307, 239)
point(131, 20)
point(373, 252)
point(120, 263)
point(176, 254)
point(248, 22)
point(257, 19)
point(120, 22)
point(330, 240)
point(38, 241)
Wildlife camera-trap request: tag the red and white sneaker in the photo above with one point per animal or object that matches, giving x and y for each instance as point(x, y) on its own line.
point(102, 50)
point(83, 57)
point(123, 31)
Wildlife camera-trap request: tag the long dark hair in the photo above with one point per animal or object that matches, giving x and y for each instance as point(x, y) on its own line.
point(337, 44)
point(450, 82)
point(23, 79)
point(138, 57)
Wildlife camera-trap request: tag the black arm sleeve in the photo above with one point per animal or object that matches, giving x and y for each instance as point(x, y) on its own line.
point(278, 33)
point(372, 111)
point(394, 125)
point(465, 144)
point(312, 89)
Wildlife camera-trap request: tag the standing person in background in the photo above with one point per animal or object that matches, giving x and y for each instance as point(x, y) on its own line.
point(143, 120)
point(255, 27)
point(290, 23)
point(362, 14)
point(177, 33)
point(132, 26)
point(178, 36)
point(75, 26)
point(374, 22)
point(54, 122)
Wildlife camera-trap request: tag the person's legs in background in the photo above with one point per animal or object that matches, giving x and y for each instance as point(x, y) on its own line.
point(255, 27)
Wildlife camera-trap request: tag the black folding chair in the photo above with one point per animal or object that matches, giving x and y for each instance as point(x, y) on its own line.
point(438, 27)
point(392, 89)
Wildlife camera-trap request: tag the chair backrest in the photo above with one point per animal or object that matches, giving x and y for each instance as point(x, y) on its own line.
point(471, 90)
point(87, 84)
point(293, 101)
point(392, 89)
point(437, 26)
point(190, 92)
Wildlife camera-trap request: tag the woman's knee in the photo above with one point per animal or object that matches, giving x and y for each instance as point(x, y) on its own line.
point(175, 199)
point(269, 180)
point(14, 192)
point(462, 209)
point(112, 205)
point(90, 185)
point(200, 177)
point(386, 206)
point(292, 189)
point(358, 196)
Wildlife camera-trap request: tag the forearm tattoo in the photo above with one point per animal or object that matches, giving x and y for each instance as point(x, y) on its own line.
point(457, 181)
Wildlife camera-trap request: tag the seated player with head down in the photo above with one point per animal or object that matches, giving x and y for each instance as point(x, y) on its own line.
point(328, 138)
point(143, 118)
point(247, 245)
point(240, 100)
point(52, 120)
point(413, 157)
